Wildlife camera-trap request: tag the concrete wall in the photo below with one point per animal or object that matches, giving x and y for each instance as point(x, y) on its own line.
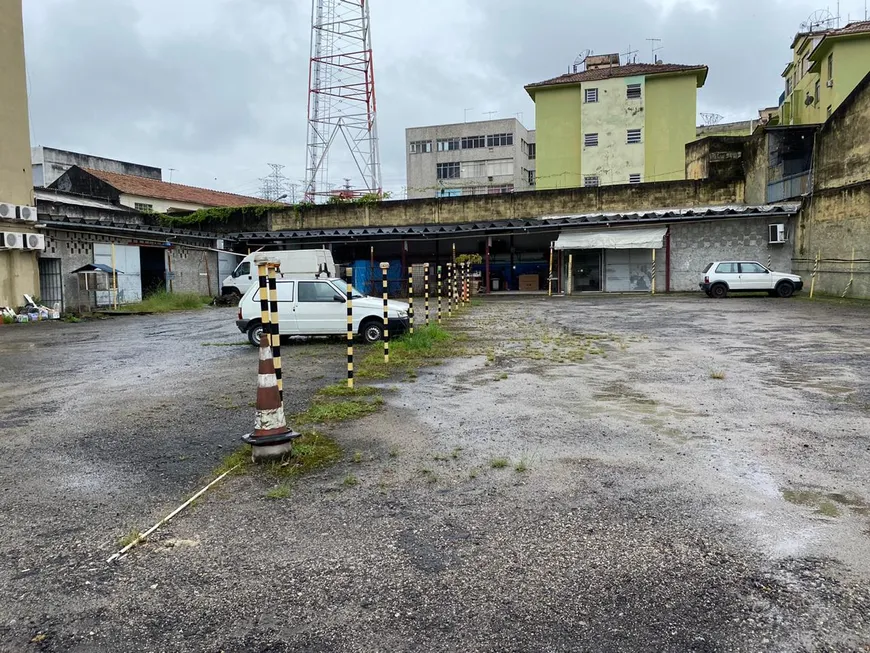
point(671, 108)
point(755, 167)
point(720, 158)
point(528, 205)
point(695, 245)
point(421, 167)
point(157, 205)
point(19, 273)
point(49, 164)
point(613, 159)
point(835, 220)
point(560, 137)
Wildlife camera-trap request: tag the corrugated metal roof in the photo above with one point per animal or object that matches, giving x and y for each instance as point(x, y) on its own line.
point(549, 223)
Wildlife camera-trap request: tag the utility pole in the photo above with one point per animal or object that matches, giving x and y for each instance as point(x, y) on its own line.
point(276, 184)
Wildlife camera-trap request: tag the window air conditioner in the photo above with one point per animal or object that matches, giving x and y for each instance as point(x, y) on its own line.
point(27, 213)
point(34, 241)
point(777, 234)
point(10, 240)
point(7, 211)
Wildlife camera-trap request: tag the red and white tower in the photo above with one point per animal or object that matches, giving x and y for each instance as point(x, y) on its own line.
point(341, 99)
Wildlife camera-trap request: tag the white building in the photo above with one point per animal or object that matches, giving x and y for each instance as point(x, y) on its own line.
point(470, 158)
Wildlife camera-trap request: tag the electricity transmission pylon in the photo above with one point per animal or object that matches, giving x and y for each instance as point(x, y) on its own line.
point(341, 96)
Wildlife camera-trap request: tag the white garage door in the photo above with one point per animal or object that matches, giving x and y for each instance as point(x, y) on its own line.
point(128, 262)
point(628, 270)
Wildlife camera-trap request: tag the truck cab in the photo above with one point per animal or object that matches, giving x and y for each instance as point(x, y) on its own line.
point(292, 262)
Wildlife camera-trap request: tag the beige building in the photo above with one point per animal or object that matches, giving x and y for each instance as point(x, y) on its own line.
point(18, 266)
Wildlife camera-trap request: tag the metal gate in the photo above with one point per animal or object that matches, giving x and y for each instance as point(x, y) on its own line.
point(50, 283)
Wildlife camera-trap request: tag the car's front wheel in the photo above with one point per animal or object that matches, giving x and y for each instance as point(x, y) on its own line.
point(255, 332)
point(785, 289)
point(372, 331)
point(719, 291)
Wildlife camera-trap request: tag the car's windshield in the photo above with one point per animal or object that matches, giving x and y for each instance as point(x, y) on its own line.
point(342, 287)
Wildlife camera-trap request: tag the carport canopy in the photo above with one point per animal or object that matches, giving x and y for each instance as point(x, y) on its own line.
point(647, 238)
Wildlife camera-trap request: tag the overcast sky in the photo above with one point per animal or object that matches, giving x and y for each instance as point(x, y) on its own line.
point(217, 88)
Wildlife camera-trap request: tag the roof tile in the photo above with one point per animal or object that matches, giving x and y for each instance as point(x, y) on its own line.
point(628, 70)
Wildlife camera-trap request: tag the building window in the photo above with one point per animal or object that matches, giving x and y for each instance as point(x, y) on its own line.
point(450, 192)
point(591, 95)
point(533, 150)
point(447, 170)
point(500, 168)
point(473, 142)
point(421, 147)
point(531, 177)
point(499, 140)
point(590, 181)
point(831, 66)
point(818, 91)
point(448, 144)
point(143, 207)
point(788, 86)
point(634, 179)
point(633, 92)
point(633, 136)
point(500, 190)
point(590, 140)
point(830, 110)
point(472, 169)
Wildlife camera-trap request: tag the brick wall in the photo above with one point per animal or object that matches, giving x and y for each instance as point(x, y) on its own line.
point(532, 204)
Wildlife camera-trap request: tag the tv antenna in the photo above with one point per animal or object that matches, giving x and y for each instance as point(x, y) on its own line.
point(631, 55)
point(710, 119)
point(820, 19)
point(655, 48)
point(580, 61)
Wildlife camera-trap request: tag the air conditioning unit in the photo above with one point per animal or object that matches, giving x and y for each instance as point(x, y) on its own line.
point(34, 241)
point(10, 240)
point(8, 211)
point(777, 234)
point(830, 83)
point(27, 213)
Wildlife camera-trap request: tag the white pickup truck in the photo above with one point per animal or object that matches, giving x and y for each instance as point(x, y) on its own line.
point(312, 306)
point(293, 262)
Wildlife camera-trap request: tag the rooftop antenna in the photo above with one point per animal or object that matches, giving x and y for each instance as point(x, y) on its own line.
point(710, 119)
point(490, 114)
point(519, 115)
point(171, 170)
point(466, 113)
point(820, 19)
point(653, 44)
point(580, 61)
point(631, 55)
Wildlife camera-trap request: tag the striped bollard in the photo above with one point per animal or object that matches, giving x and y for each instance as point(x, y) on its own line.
point(449, 290)
point(350, 328)
point(411, 299)
point(468, 283)
point(815, 272)
point(426, 290)
point(769, 261)
point(386, 290)
point(454, 273)
point(276, 329)
point(438, 280)
point(653, 279)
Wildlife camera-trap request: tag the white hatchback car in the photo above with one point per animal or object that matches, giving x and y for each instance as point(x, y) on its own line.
point(721, 277)
point(310, 306)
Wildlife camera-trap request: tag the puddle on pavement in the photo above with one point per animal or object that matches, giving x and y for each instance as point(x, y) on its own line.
point(828, 504)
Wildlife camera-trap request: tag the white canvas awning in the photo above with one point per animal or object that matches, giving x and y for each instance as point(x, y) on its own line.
point(647, 238)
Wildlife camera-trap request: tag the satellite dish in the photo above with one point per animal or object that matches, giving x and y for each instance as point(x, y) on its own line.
point(821, 19)
point(580, 61)
point(810, 99)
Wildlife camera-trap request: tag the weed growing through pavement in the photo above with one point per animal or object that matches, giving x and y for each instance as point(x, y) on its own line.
point(357, 457)
point(718, 375)
point(456, 453)
point(278, 492)
point(499, 463)
point(408, 353)
point(130, 538)
point(521, 466)
point(350, 481)
point(341, 390)
point(472, 474)
point(165, 302)
point(394, 452)
point(337, 411)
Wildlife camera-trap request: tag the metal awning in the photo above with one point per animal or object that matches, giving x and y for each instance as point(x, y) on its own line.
point(649, 238)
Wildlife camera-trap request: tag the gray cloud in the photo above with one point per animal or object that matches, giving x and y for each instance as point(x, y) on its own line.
point(217, 88)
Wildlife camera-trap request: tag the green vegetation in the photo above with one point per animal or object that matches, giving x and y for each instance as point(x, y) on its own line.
point(339, 411)
point(130, 538)
point(521, 466)
point(8, 319)
point(427, 346)
point(499, 463)
point(394, 452)
point(279, 492)
point(249, 213)
point(350, 480)
point(165, 302)
point(357, 457)
point(341, 390)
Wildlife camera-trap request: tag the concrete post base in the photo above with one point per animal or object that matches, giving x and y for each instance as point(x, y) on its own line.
point(270, 448)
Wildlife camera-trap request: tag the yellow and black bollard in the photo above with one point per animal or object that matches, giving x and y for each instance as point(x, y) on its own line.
point(265, 314)
point(815, 272)
point(276, 328)
point(653, 278)
point(411, 299)
point(468, 283)
point(386, 288)
point(438, 280)
point(426, 290)
point(350, 328)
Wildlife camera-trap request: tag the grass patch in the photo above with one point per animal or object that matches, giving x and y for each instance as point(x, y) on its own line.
point(394, 452)
point(521, 466)
point(166, 302)
point(129, 538)
point(499, 463)
point(456, 453)
point(427, 346)
point(350, 481)
point(341, 390)
point(310, 452)
point(718, 375)
point(241, 457)
point(337, 411)
point(357, 457)
point(278, 492)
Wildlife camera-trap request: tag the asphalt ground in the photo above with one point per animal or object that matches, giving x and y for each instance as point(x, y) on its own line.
point(587, 474)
